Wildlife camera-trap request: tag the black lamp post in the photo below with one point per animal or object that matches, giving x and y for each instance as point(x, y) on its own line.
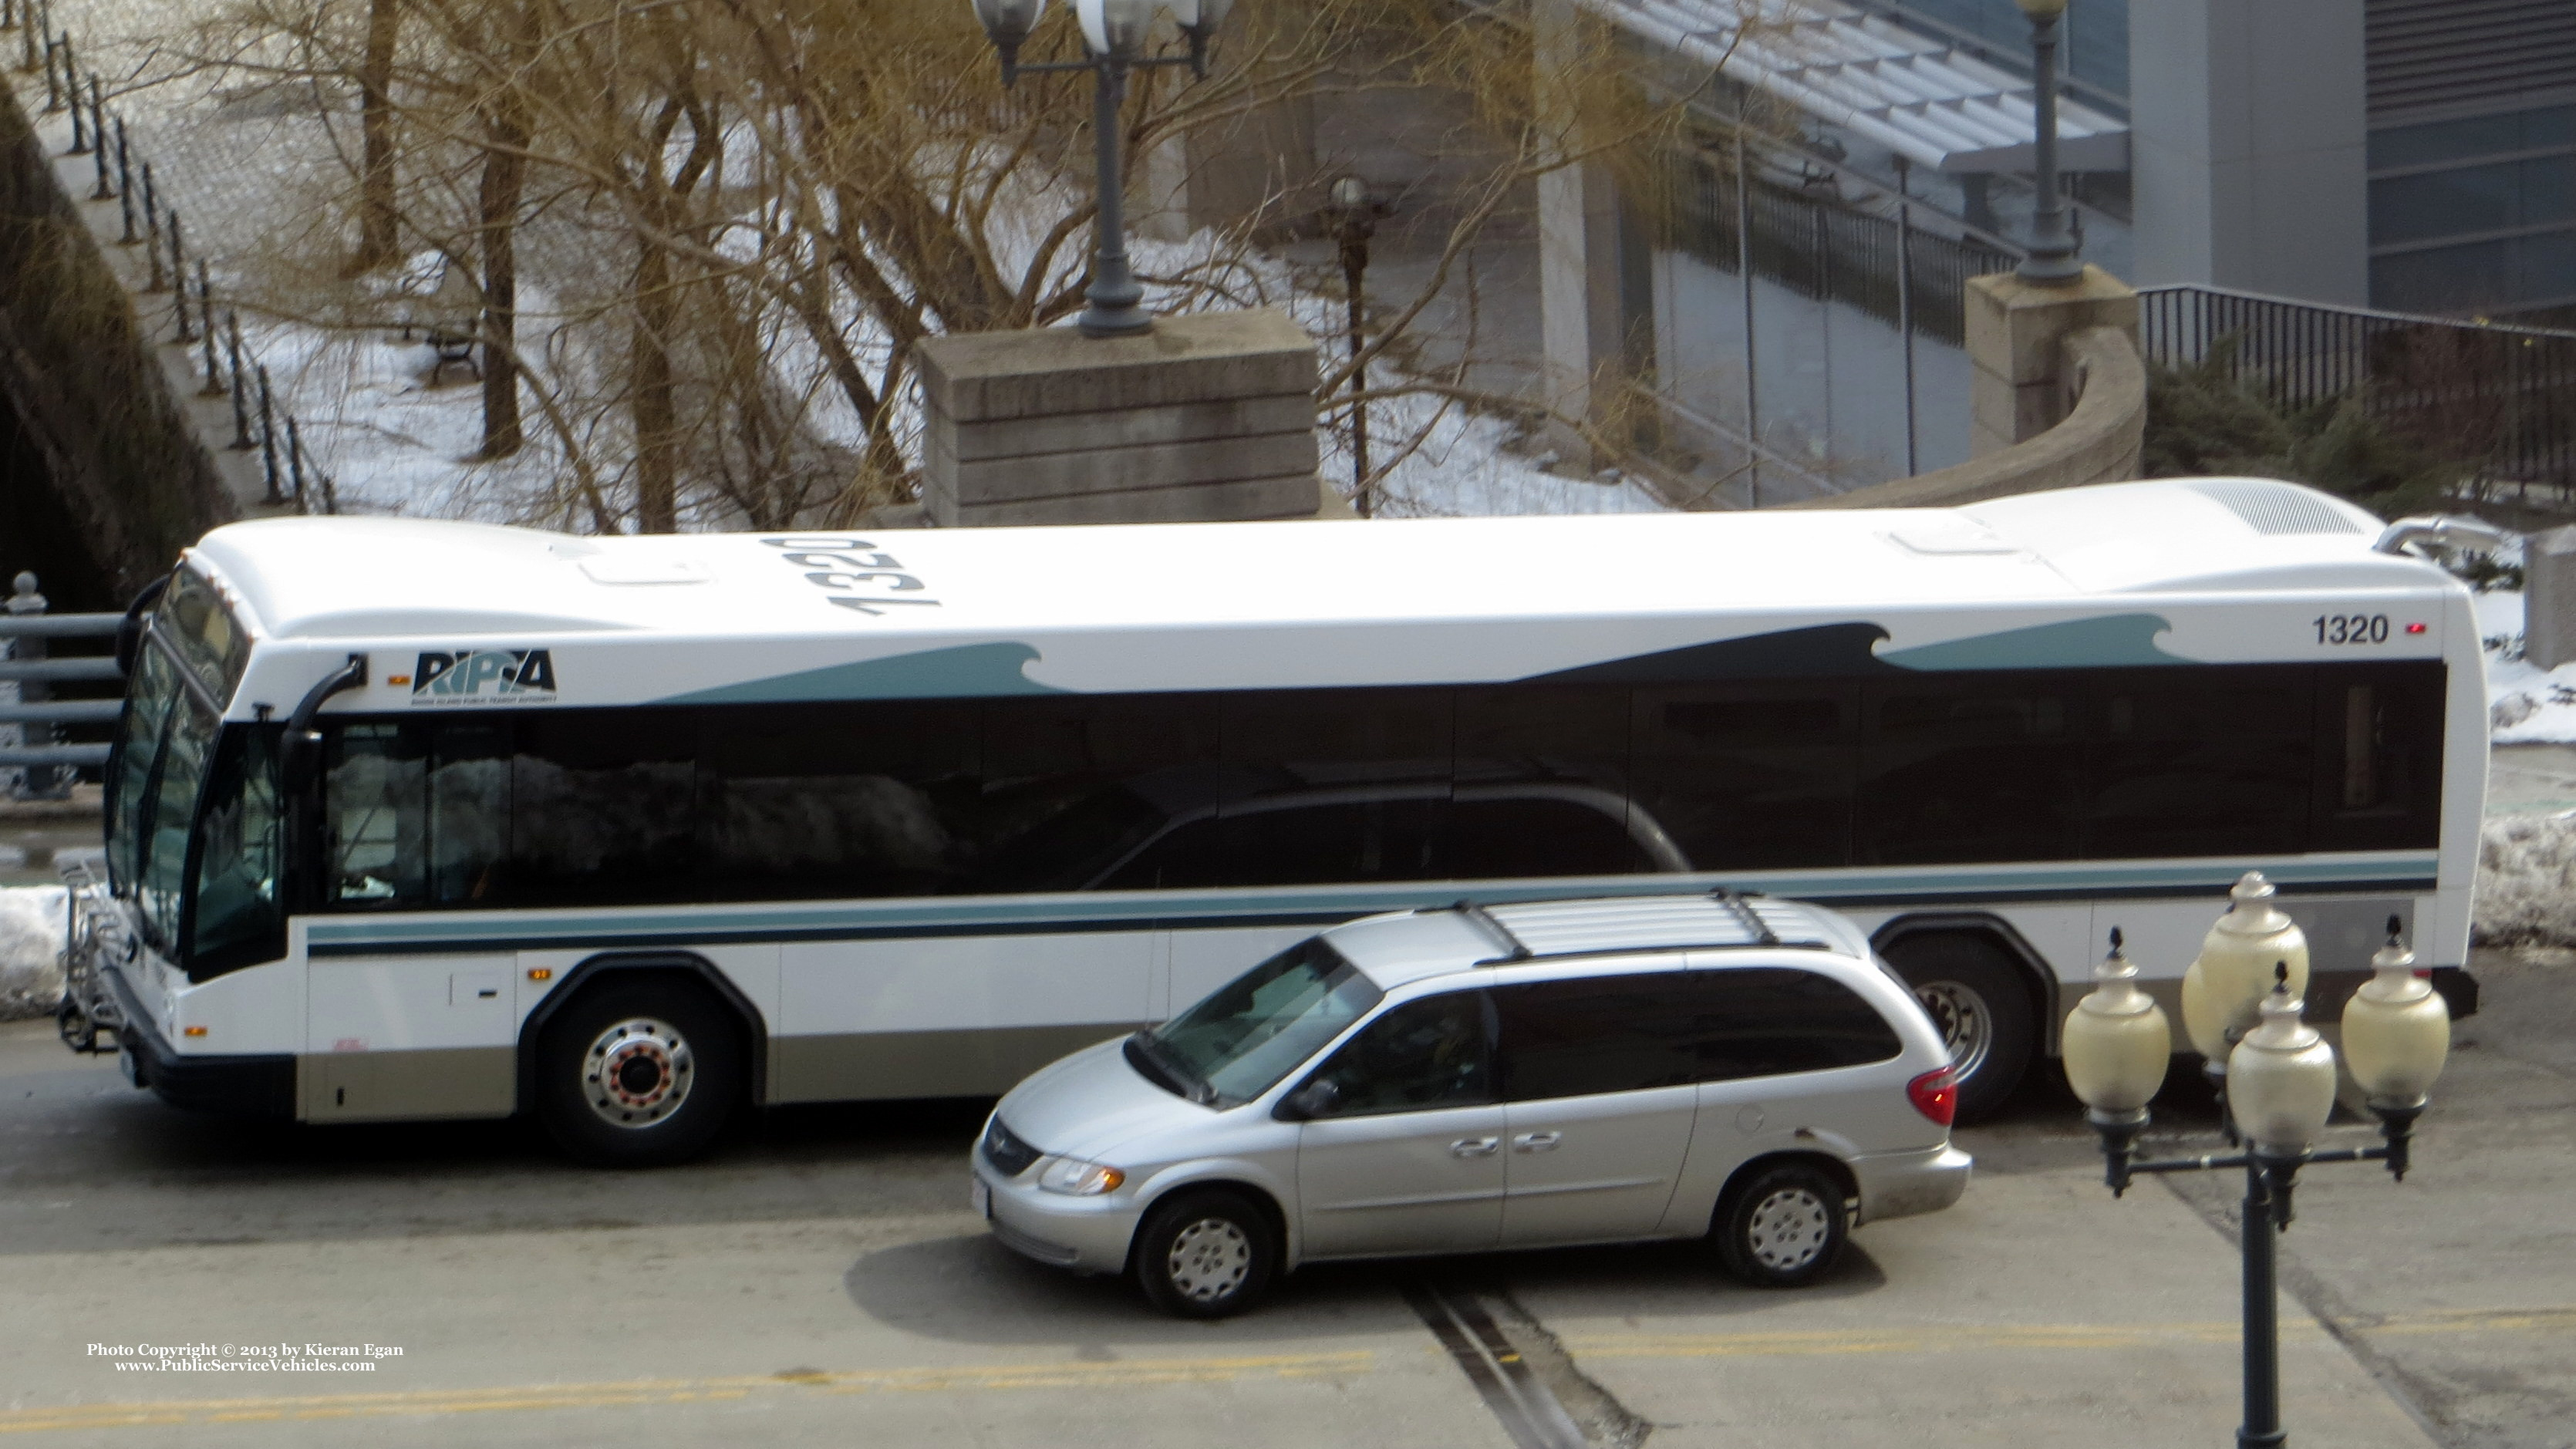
point(1113, 38)
point(1355, 216)
point(2053, 245)
point(2280, 1090)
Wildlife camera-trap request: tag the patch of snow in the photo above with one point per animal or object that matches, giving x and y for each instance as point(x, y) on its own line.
point(31, 944)
point(2526, 891)
point(2526, 705)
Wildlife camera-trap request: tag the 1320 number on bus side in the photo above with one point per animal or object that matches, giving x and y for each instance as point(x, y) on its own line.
point(2352, 628)
point(857, 576)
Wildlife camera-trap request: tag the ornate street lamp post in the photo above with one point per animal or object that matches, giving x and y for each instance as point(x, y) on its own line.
point(1113, 39)
point(2280, 1089)
point(2053, 246)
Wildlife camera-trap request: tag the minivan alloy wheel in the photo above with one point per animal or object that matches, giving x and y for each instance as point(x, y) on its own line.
point(1209, 1259)
point(1788, 1228)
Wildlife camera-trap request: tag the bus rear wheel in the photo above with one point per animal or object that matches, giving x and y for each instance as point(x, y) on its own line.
point(1977, 1001)
point(638, 1074)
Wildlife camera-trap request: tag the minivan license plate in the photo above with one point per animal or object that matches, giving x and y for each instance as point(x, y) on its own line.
point(982, 1197)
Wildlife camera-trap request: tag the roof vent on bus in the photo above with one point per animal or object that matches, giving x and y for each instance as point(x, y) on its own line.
point(2275, 508)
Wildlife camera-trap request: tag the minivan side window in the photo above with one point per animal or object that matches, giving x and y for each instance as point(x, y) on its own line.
point(1432, 1053)
point(1597, 1034)
point(1763, 1021)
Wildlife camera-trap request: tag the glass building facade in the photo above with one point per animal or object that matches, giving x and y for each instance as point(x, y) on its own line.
point(2095, 39)
point(2476, 214)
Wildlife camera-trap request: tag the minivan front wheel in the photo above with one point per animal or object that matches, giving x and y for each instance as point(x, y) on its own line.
point(1784, 1228)
point(1206, 1254)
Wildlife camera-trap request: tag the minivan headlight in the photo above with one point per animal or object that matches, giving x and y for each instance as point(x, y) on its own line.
point(1076, 1178)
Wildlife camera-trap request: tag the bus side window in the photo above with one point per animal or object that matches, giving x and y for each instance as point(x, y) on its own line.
point(2379, 757)
point(600, 809)
point(2212, 761)
point(373, 818)
point(1750, 776)
point(1544, 785)
point(1985, 767)
point(238, 921)
point(865, 799)
point(1328, 785)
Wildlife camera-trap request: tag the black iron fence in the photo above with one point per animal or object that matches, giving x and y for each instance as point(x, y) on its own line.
point(2501, 399)
point(1824, 248)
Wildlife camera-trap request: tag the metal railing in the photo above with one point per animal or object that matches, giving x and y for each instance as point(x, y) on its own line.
point(44, 767)
point(2499, 398)
point(1831, 250)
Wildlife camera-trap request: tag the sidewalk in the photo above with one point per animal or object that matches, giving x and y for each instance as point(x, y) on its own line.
point(2036, 1311)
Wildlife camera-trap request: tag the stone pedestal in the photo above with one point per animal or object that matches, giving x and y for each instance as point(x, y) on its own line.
point(2024, 382)
point(1208, 417)
point(2549, 598)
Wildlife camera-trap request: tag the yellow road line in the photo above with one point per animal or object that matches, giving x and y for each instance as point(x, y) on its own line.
point(1116, 1373)
point(1955, 1338)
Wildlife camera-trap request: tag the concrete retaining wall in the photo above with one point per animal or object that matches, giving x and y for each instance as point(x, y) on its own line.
point(2099, 441)
point(93, 397)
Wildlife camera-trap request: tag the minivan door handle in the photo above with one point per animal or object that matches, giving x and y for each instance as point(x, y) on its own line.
point(1537, 1141)
point(1475, 1146)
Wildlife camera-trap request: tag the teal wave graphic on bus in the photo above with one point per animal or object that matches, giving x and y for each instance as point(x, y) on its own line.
point(966, 671)
point(1851, 651)
point(2111, 641)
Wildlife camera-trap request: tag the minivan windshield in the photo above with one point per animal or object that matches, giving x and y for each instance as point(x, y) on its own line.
point(1256, 1029)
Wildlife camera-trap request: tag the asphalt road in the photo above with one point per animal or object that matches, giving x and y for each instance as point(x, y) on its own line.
point(819, 1280)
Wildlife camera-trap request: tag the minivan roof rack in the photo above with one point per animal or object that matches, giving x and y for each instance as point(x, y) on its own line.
point(1751, 918)
point(1514, 948)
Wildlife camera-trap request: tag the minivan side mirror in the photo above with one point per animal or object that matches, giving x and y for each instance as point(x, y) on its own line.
point(1317, 1098)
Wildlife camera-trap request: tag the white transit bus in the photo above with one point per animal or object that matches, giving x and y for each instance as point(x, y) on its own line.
point(415, 819)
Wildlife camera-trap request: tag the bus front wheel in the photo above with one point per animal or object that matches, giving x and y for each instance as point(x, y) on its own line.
point(1983, 1011)
point(638, 1073)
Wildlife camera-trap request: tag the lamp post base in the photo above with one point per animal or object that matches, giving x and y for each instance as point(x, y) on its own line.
point(1099, 321)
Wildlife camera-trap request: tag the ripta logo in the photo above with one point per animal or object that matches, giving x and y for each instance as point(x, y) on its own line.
point(461, 677)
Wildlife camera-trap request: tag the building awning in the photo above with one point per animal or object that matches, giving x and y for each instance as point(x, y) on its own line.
point(1922, 98)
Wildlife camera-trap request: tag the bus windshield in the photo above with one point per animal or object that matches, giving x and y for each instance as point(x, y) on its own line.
point(1239, 1042)
point(167, 739)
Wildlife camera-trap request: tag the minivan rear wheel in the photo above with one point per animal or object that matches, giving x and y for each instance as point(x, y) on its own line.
point(1783, 1229)
point(1208, 1254)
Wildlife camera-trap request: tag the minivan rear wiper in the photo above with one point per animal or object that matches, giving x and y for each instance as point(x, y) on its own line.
point(1147, 1056)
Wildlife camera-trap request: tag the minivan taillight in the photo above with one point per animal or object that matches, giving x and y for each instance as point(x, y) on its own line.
point(1935, 1095)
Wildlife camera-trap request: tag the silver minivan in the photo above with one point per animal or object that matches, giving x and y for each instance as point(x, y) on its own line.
point(1461, 1080)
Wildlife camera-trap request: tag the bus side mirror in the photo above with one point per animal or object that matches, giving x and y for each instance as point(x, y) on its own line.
point(1317, 1098)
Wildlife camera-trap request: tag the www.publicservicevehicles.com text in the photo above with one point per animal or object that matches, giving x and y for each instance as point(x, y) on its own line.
point(245, 1358)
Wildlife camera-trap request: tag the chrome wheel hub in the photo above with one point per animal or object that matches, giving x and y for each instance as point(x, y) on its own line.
point(1787, 1229)
point(1967, 1028)
point(1209, 1260)
point(637, 1072)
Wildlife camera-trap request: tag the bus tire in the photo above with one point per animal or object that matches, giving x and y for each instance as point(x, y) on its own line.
point(639, 1073)
point(1980, 1004)
point(1205, 1254)
point(1784, 1227)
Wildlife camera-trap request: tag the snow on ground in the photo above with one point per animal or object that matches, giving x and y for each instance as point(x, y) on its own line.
point(2526, 705)
point(251, 166)
point(31, 938)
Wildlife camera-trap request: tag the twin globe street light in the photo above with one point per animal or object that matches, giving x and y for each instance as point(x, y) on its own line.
point(1114, 33)
point(2241, 1004)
